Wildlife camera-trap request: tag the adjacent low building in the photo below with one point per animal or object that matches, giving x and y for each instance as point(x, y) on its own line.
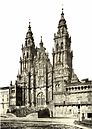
point(4, 100)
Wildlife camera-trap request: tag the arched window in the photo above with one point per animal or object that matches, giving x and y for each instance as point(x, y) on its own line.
point(27, 54)
point(23, 55)
point(40, 99)
point(50, 95)
point(61, 45)
point(28, 41)
point(57, 87)
point(57, 46)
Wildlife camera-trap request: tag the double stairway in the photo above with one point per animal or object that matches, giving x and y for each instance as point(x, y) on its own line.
point(23, 111)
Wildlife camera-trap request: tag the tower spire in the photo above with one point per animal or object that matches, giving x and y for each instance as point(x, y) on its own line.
point(62, 21)
point(62, 54)
point(29, 35)
point(41, 42)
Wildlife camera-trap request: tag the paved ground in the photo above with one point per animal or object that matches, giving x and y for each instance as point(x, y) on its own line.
point(44, 121)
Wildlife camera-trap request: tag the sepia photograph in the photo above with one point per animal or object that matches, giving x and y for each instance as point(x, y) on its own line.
point(45, 64)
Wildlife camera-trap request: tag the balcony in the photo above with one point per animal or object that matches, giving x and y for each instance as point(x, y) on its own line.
point(72, 103)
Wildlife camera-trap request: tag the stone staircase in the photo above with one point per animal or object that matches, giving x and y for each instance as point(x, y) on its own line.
point(23, 111)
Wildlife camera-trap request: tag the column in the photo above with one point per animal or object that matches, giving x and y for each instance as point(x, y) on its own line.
point(46, 82)
point(34, 86)
point(20, 65)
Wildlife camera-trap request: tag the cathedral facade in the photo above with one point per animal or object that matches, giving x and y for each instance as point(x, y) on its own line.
point(41, 84)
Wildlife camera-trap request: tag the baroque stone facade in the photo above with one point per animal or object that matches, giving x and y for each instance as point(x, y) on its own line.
point(41, 84)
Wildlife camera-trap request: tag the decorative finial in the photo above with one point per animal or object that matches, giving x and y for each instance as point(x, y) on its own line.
point(41, 43)
point(29, 21)
point(62, 8)
point(10, 83)
point(62, 12)
point(41, 39)
point(29, 24)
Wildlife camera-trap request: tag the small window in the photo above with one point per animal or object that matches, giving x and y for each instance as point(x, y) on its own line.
point(78, 88)
point(89, 115)
point(7, 98)
point(88, 87)
point(56, 87)
point(61, 45)
point(82, 87)
point(3, 106)
point(2, 99)
point(75, 88)
point(57, 46)
point(69, 110)
point(72, 88)
point(78, 106)
point(29, 41)
point(64, 102)
point(85, 87)
point(23, 55)
point(27, 54)
point(66, 89)
point(13, 91)
point(69, 88)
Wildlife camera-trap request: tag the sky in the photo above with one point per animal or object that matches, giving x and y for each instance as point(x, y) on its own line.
point(44, 16)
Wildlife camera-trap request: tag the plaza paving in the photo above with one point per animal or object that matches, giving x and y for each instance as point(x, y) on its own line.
point(42, 123)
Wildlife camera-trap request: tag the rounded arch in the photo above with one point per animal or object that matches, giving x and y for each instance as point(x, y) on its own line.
point(40, 99)
point(57, 87)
